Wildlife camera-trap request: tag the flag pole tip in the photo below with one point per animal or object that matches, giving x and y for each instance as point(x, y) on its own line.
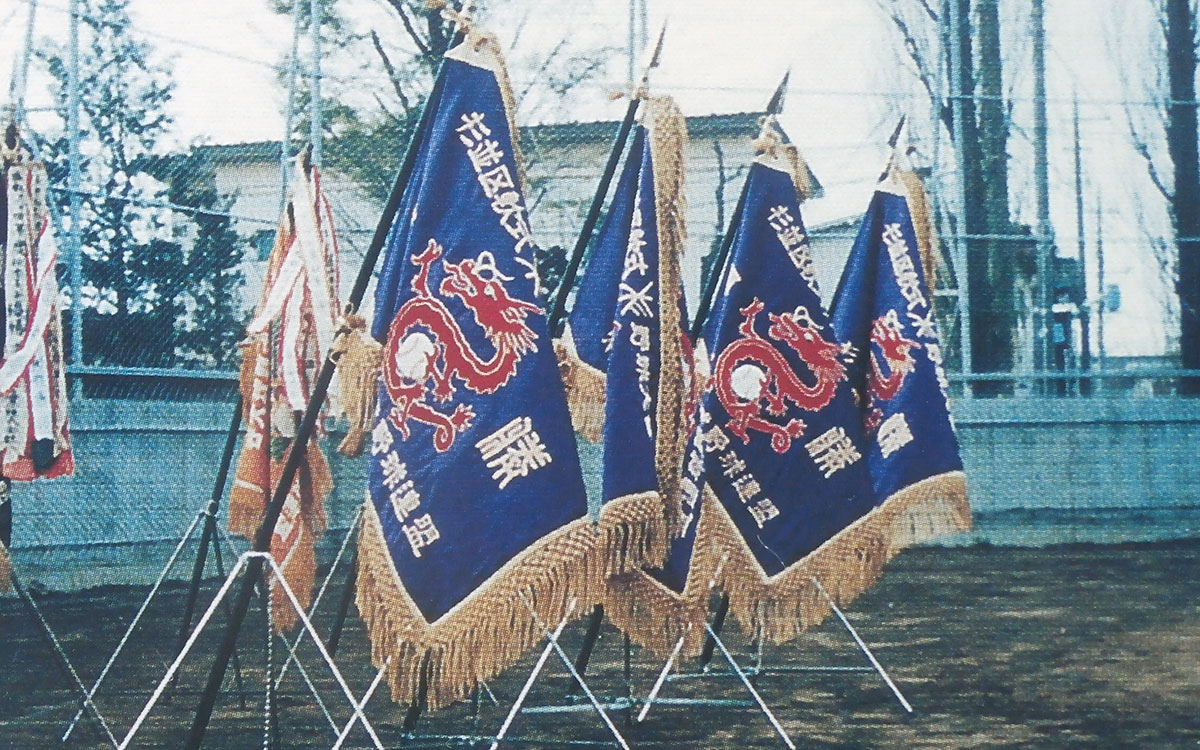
point(658, 46)
point(775, 106)
point(895, 138)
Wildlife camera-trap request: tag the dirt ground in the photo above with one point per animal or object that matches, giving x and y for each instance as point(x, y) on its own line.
point(1073, 646)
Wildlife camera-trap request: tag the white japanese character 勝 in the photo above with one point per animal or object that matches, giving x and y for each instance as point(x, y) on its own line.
point(832, 451)
point(515, 450)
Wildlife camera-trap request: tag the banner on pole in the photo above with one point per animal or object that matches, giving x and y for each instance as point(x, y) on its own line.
point(476, 506)
point(884, 312)
point(780, 429)
point(35, 439)
point(288, 339)
point(628, 365)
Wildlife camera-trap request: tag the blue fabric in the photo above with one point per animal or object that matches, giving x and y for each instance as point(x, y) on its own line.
point(591, 315)
point(473, 458)
point(781, 433)
point(883, 308)
point(635, 356)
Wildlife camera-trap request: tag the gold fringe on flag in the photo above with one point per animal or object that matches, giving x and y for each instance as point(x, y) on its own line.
point(584, 385)
point(493, 627)
point(656, 617)
point(922, 219)
point(783, 606)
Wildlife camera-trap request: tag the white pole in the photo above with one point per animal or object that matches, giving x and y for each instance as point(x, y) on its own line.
point(314, 105)
point(75, 240)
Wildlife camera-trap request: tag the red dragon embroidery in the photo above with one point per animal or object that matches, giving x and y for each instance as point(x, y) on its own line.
point(425, 344)
point(778, 383)
point(897, 353)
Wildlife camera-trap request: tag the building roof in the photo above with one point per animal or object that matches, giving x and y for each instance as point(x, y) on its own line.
point(743, 124)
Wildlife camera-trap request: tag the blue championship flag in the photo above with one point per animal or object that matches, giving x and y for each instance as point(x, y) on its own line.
point(883, 310)
point(780, 430)
point(476, 506)
point(626, 336)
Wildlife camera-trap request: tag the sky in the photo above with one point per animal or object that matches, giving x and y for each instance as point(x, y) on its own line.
point(719, 56)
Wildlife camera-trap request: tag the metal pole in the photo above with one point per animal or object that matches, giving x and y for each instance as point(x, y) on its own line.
point(715, 271)
point(208, 533)
point(662, 678)
point(962, 260)
point(20, 80)
point(1085, 344)
point(61, 655)
point(631, 51)
point(162, 576)
point(862, 645)
point(1102, 293)
point(590, 636)
point(762, 705)
point(75, 240)
point(566, 660)
point(1041, 170)
point(315, 105)
point(533, 675)
point(559, 308)
point(262, 540)
point(343, 610)
point(718, 622)
point(289, 117)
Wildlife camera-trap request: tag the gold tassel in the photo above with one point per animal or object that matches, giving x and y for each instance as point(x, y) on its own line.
point(770, 142)
point(359, 360)
point(783, 606)
point(584, 385)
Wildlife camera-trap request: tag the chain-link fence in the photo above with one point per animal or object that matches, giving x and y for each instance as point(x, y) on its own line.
point(1069, 432)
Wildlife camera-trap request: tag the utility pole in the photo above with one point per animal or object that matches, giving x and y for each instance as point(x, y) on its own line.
point(952, 37)
point(75, 241)
point(315, 125)
point(1045, 246)
point(20, 79)
point(289, 112)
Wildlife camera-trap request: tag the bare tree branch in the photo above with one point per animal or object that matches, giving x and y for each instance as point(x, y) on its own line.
point(533, 81)
point(391, 71)
point(929, 11)
point(1143, 150)
point(401, 10)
